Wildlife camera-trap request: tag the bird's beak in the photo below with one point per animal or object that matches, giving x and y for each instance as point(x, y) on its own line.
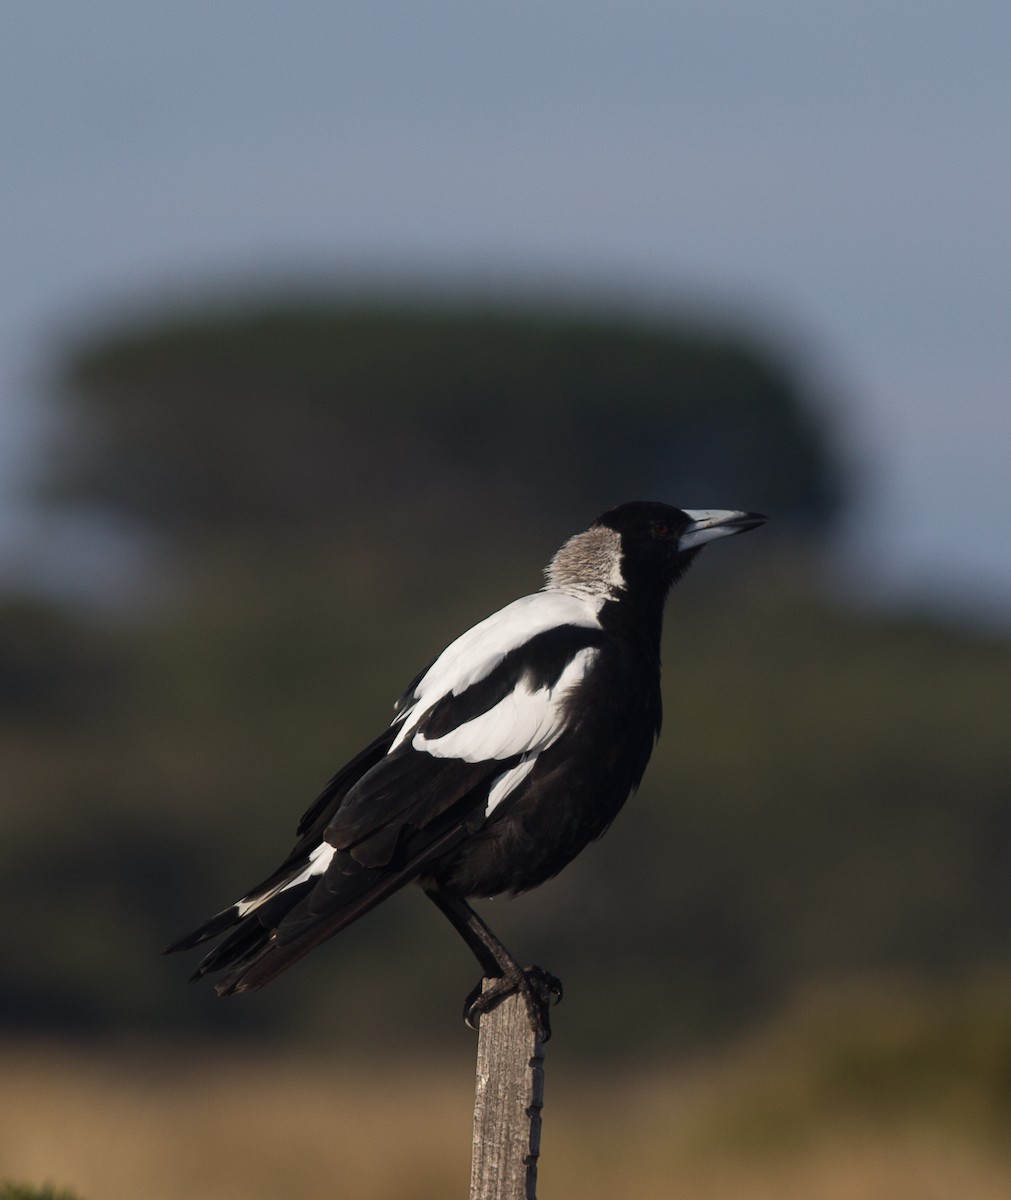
point(709, 523)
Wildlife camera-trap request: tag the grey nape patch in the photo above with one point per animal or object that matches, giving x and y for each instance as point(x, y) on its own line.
point(588, 563)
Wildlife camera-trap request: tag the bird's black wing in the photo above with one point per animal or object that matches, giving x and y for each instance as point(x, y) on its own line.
point(450, 759)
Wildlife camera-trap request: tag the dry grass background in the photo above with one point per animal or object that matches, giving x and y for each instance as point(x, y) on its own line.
point(142, 1124)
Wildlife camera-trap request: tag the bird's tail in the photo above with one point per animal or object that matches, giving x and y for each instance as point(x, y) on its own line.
point(262, 955)
point(274, 926)
point(278, 923)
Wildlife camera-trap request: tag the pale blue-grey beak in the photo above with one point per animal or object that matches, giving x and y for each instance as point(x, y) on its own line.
point(707, 524)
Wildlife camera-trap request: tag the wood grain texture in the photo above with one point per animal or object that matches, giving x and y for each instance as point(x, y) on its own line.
point(507, 1105)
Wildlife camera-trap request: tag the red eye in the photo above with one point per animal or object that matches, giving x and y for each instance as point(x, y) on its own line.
point(659, 530)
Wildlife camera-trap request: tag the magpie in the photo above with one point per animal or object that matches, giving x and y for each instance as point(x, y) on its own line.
point(507, 755)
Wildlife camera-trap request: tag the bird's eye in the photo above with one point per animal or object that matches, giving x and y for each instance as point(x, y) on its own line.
point(659, 529)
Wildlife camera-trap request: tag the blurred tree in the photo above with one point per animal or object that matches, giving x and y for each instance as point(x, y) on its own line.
point(830, 794)
point(277, 425)
point(55, 669)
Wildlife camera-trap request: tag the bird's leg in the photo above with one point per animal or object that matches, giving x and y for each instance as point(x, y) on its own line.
point(538, 987)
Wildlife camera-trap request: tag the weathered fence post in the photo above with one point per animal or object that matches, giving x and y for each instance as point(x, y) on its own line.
point(507, 1105)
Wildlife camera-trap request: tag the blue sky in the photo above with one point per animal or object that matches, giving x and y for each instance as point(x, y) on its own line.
point(839, 174)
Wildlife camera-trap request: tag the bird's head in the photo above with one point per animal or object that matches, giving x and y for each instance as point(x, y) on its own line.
point(642, 546)
point(658, 541)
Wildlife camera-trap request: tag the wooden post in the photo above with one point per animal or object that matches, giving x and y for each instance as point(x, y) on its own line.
point(507, 1105)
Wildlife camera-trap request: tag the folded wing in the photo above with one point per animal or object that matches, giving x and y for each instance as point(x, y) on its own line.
point(464, 741)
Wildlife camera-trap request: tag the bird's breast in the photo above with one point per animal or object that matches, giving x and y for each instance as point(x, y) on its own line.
point(572, 792)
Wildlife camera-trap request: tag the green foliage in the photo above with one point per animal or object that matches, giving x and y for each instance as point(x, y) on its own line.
point(285, 425)
point(55, 668)
point(26, 1191)
point(876, 1049)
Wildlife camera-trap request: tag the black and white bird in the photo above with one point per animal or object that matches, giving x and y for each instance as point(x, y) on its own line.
point(510, 752)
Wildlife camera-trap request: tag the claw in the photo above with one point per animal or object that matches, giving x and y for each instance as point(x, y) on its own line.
point(469, 1005)
point(539, 989)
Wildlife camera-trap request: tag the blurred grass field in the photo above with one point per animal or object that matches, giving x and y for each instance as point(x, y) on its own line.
point(855, 1096)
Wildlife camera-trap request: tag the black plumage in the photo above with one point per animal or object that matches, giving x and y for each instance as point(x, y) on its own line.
point(510, 752)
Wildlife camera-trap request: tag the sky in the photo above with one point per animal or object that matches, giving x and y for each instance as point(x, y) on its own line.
point(838, 175)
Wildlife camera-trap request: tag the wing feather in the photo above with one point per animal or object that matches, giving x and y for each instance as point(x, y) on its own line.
point(464, 740)
point(462, 743)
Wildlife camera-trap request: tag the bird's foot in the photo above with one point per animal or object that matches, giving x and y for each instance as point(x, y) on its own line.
point(539, 989)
